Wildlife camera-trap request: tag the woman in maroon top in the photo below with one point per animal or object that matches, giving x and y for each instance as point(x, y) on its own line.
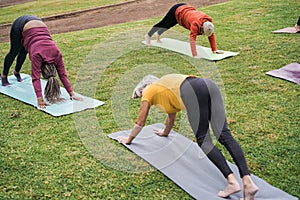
point(29, 34)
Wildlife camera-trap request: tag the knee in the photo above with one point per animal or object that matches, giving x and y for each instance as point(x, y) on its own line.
point(226, 138)
point(12, 53)
point(205, 143)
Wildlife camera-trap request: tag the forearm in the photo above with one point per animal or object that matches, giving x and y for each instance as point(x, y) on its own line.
point(169, 123)
point(212, 42)
point(36, 75)
point(140, 122)
point(193, 47)
point(62, 73)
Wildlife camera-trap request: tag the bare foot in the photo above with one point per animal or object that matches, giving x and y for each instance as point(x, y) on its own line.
point(230, 189)
point(297, 27)
point(157, 38)
point(18, 76)
point(148, 39)
point(250, 191)
point(4, 81)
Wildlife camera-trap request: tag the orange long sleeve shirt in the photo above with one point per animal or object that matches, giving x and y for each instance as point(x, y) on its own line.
point(192, 19)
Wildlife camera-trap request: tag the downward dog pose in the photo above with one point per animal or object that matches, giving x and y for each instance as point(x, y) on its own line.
point(29, 34)
point(185, 15)
point(204, 105)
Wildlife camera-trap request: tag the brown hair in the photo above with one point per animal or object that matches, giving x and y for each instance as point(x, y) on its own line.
point(52, 90)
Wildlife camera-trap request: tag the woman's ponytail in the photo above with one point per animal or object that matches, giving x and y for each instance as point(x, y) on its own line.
point(52, 90)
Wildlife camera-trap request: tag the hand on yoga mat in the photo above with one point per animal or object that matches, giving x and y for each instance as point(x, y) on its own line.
point(160, 132)
point(197, 56)
point(77, 98)
point(41, 103)
point(218, 52)
point(123, 139)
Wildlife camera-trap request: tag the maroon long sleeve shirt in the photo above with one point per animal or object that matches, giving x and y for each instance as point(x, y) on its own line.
point(42, 49)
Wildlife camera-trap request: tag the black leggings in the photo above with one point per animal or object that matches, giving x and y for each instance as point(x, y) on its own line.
point(298, 22)
point(16, 47)
point(167, 22)
point(204, 105)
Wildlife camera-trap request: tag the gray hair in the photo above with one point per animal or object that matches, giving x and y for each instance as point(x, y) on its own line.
point(137, 92)
point(208, 28)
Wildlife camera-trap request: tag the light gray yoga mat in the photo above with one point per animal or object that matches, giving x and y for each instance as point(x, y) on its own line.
point(181, 160)
point(24, 92)
point(185, 49)
point(290, 72)
point(289, 30)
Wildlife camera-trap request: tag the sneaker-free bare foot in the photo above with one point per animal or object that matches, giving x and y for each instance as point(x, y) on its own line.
point(250, 191)
point(18, 76)
point(297, 27)
point(157, 38)
point(232, 187)
point(229, 190)
point(4, 81)
point(148, 40)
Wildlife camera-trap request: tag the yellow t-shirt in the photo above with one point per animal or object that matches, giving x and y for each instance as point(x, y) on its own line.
point(165, 93)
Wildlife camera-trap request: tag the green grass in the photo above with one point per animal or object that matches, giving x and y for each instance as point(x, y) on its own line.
point(45, 8)
point(69, 157)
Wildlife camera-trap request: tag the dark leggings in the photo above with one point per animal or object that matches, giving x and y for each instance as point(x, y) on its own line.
point(204, 105)
point(167, 22)
point(298, 22)
point(16, 47)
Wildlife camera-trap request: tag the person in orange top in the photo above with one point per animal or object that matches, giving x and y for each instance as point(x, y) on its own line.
point(202, 100)
point(188, 17)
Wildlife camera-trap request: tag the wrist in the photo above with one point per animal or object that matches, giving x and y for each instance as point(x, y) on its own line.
point(40, 99)
point(135, 131)
point(129, 140)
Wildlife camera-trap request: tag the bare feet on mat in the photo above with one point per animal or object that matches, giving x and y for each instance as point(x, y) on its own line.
point(4, 81)
point(297, 27)
point(18, 76)
point(148, 40)
point(232, 187)
point(157, 38)
point(250, 191)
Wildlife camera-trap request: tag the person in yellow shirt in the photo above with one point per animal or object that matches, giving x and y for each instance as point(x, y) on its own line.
point(203, 102)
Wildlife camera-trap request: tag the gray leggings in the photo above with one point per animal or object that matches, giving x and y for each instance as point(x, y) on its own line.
point(204, 105)
point(16, 47)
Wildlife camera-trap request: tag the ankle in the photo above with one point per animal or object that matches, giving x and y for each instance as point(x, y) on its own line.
point(18, 76)
point(4, 81)
point(231, 179)
point(247, 180)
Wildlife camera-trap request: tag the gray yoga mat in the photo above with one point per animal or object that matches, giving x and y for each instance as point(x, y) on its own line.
point(290, 72)
point(181, 160)
point(23, 91)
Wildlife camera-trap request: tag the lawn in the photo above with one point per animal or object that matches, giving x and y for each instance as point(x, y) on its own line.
point(70, 157)
point(45, 8)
